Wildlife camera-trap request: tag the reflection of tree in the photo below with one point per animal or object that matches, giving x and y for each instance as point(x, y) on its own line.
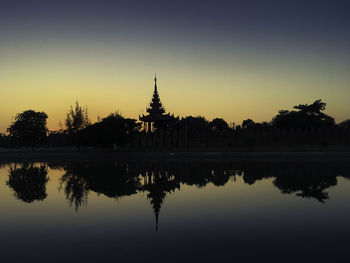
point(307, 186)
point(28, 182)
point(196, 173)
point(112, 180)
point(306, 180)
point(76, 188)
point(220, 177)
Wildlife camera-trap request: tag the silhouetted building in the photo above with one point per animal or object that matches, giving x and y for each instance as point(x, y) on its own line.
point(156, 111)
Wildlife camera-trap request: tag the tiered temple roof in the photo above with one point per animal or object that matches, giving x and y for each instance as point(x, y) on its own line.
point(156, 111)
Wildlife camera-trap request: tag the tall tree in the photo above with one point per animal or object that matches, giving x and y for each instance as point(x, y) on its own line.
point(77, 118)
point(29, 128)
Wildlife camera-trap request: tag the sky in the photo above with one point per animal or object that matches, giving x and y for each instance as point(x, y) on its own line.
point(227, 59)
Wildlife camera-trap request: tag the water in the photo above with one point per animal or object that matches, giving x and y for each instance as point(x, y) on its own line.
point(174, 212)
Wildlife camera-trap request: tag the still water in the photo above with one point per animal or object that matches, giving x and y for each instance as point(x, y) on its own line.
point(141, 211)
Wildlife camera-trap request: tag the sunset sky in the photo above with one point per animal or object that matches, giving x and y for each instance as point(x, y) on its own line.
point(228, 59)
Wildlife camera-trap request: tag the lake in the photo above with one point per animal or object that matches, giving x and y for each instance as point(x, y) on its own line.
point(175, 211)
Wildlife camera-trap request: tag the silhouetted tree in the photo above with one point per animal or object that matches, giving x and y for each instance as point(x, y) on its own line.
point(28, 182)
point(238, 128)
point(218, 125)
point(4, 140)
point(193, 124)
point(167, 125)
point(315, 108)
point(248, 138)
point(345, 124)
point(248, 124)
point(77, 120)
point(112, 130)
point(57, 138)
point(29, 128)
point(307, 116)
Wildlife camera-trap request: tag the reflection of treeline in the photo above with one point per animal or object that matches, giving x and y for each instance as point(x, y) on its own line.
point(304, 180)
point(305, 125)
point(116, 180)
point(112, 180)
point(158, 179)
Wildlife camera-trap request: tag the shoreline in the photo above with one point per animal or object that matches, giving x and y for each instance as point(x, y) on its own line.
point(101, 156)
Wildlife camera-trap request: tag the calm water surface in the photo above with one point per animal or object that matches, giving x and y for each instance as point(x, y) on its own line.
point(175, 212)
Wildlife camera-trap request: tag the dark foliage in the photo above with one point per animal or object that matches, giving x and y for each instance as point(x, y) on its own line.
point(114, 130)
point(58, 139)
point(218, 125)
point(307, 186)
point(248, 124)
point(4, 140)
point(345, 124)
point(170, 124)
point(194, 124)
point(28, 182)
point(77, 120)
point(307, 117)
point(29, 128)
point(113, 181)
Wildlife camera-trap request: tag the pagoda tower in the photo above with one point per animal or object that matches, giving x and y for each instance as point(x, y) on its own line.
point(156, 111)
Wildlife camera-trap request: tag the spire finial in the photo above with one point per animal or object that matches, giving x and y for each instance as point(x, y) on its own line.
point(155, 82)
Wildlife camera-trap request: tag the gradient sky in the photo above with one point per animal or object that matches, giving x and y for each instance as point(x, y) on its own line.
point(230, 59)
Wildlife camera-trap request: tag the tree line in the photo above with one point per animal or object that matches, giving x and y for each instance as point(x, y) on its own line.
point(29, 128)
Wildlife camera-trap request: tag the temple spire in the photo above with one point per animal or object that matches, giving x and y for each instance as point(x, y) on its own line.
point(156, 111)
point(155, 83)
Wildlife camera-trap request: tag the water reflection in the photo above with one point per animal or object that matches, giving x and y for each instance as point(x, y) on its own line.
point(207, 211)
point(158, 183)
point(310, 186)
point(303, 180)
point(120, 179)
point(110, 179)
point(28, 182)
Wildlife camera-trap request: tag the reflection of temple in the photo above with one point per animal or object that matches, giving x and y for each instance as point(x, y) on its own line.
point(158, 184)
point(156, 111)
